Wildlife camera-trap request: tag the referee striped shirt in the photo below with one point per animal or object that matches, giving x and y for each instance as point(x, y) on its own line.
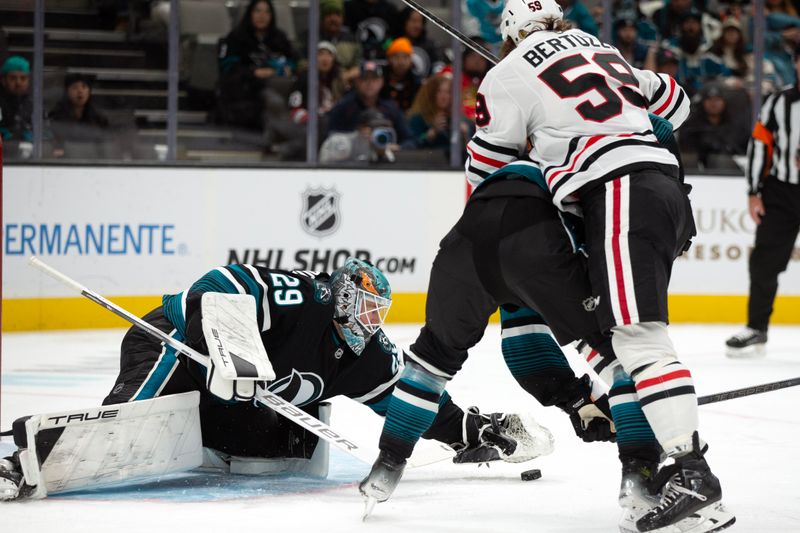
point(775, 141)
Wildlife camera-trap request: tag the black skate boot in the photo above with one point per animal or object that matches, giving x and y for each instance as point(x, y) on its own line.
point(10, 478)
point(747, 343)
point(690, 488)
point(381, 481)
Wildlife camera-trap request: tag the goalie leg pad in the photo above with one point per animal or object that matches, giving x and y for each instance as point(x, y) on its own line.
point(88, 448)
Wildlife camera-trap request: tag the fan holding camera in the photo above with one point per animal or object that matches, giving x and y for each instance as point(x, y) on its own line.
point(374, 140)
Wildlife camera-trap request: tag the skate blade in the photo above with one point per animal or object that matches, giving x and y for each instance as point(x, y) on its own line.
point(369, 505)
point(750, 352)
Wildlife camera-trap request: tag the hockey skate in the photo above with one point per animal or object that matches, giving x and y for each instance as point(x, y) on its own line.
point(11, 478)
point(511, 438)
point(635, 491)
point(381, 481)
point(690, 498)
point(747, 343)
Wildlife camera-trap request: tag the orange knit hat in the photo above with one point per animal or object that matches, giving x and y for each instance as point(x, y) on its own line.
point(400, 45)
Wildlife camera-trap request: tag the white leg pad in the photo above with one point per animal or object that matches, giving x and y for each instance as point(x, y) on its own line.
point(107, 445)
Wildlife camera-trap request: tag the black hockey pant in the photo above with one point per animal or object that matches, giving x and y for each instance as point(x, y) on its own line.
point(509, 247)
point(775, 238)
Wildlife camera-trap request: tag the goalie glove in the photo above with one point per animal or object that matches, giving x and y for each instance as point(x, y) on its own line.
point(505, 437)
point(591, 419)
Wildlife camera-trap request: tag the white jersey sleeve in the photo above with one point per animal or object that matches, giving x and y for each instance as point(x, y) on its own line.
point(502, 135)
point(665, 97)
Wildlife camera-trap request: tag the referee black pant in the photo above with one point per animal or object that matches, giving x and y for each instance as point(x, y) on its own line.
point(775, 238)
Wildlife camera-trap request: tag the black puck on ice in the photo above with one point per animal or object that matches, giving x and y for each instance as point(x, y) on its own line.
point(530, 475)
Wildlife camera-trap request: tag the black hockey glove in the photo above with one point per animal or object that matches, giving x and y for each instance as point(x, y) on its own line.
point(485, 438)
point(591, 420)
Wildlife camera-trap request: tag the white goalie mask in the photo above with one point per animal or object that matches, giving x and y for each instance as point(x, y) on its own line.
point(521, 17)
point(362, 297)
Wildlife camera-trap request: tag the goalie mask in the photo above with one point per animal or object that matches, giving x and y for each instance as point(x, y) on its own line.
point(362, 297)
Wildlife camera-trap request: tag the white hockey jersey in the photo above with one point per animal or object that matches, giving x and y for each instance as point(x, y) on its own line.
point(583, 108)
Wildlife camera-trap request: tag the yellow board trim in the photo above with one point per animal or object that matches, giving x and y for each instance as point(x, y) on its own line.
point(79, 313)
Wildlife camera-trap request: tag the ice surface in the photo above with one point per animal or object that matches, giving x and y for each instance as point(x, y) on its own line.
point(754, 451)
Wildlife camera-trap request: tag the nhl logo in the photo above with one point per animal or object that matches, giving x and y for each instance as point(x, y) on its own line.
point(591, 303)
point(320, 215)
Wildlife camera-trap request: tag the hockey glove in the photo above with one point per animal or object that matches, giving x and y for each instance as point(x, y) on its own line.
point(508, 437)
point(591, 419)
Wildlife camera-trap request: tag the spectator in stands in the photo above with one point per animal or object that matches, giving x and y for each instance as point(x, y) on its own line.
point(426, 57)
point(430, 116)
point(730, 47)
point(400, 83)
point(667, 62)
point(332, 29)
point(366, 95)
point(473, 68)
point(76, 119)
point(579, 15)
point(16, 104)
point(781, 36)
point(372, 141)
point(712, 129)
point(331, 88)
point(669, 18)
point(634, 51)
point(256, 62)
point(370, 20)
point(696, 65)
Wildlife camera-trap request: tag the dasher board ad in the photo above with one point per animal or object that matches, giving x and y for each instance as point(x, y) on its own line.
point(716, 264)
point(149, 231)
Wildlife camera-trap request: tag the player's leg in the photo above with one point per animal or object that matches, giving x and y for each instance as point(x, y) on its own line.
point(456, 314)
point(636, 225)
point(774, 243)
point(149, 368)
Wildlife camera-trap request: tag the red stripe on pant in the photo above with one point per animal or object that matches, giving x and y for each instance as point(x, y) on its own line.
point(615, 246)
point(662, 379)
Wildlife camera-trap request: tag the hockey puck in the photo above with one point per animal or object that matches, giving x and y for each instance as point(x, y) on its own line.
point(530, 475)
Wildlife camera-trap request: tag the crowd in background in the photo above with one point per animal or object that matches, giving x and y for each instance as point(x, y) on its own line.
point(384, 84)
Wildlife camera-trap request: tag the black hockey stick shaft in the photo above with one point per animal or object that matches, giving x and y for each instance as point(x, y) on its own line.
point(466, 41)
point(747, 391)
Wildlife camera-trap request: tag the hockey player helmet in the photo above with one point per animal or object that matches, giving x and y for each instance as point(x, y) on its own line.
point(522, 17)
point(362, 297)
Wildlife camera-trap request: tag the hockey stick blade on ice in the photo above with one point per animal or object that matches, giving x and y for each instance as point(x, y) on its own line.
point(466, 41)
